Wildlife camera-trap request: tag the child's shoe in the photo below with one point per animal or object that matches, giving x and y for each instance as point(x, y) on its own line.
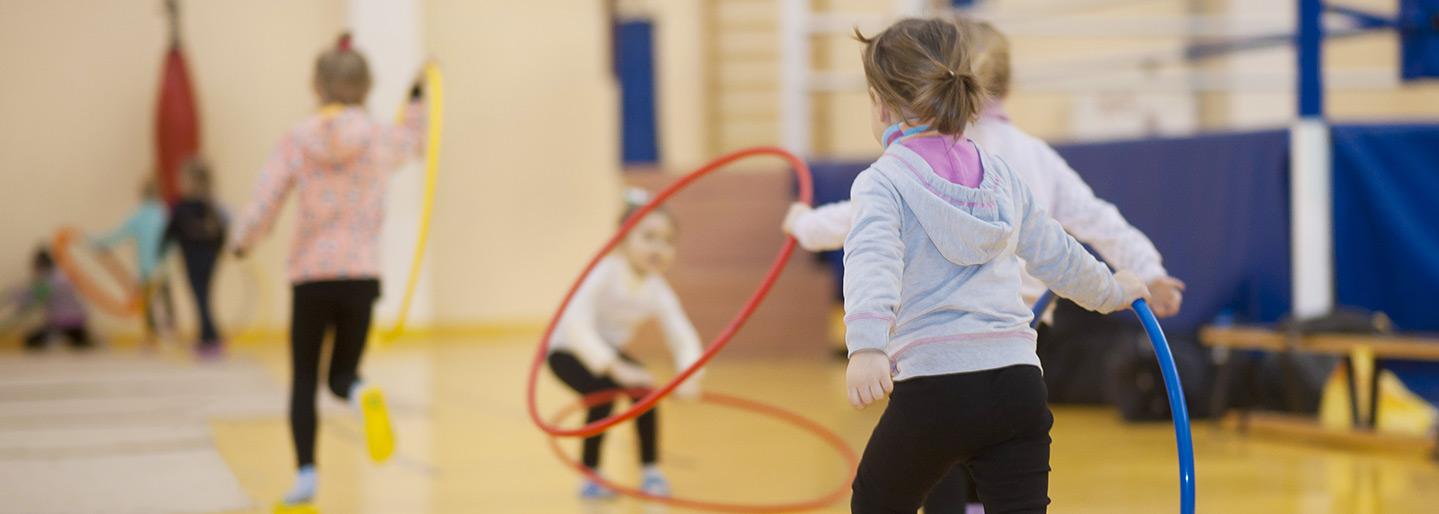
point(654, 483)
point(379, 435)
point(592, 490)
point(298, 499)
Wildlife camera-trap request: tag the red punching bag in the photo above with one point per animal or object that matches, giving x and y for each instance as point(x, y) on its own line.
point(177, 122)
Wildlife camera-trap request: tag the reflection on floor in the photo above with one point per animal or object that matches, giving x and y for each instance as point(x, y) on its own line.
point(467, 446)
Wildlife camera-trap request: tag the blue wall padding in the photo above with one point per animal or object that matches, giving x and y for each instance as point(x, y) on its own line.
point(1216, 206)
point(634, 63)
point(1386, 221)
point(1419, 39)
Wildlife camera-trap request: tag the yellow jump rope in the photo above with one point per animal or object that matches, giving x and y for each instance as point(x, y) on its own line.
point(435, 96)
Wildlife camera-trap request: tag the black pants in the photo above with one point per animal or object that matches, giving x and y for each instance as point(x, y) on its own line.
point(200, 259)
point(574, 374)
point(77, 336)
point(952, 494)
point(340, 306)
point(996, 423)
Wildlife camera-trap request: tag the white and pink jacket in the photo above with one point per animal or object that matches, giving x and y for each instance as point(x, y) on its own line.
point(1057, 188)
point(339, 162)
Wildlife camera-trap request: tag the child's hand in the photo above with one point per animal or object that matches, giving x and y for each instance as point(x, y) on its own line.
point(1166, 295)
point(630, 375)
point(796, 211)
point(688, 391)
point(868, 378)
point(1133, 287)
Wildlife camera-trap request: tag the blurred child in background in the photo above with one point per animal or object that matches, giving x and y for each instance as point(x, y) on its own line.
point(146, 227)
point(198, 226)
point(338, 162)
point(50, 292)
point(625, 290)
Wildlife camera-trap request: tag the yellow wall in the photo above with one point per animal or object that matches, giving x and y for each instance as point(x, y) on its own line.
point(529, 180)
point(78, 99)
point(530, 167)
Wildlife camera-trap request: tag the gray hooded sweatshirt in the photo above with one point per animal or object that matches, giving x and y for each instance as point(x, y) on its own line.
point(931, 275)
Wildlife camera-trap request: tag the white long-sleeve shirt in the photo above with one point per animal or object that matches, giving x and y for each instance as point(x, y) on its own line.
point(610, 304)
point(1056, 187)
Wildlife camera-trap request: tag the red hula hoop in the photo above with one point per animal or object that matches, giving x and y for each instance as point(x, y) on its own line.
point(785, 416)
point(127, 306)
point(802, 176)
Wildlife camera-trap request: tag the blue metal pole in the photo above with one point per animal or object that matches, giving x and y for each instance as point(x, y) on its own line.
point(1183, 439)
point(1308, 50)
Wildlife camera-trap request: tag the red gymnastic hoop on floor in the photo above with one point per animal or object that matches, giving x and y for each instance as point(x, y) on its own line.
point(787, 417)
point(801, 173)
point(127, 306)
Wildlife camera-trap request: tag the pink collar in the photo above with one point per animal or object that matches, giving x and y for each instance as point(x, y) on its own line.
point(995, 110)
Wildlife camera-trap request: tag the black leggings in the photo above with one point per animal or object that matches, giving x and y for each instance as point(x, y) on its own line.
point(952, 494)
point(996, 423)
point(574, 374)
point(342, 306)
point(78, 337)
point(200, 259)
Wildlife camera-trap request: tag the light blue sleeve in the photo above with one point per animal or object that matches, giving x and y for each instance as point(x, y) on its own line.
point(1055, 258)
point(130, 229)
point(873, 263)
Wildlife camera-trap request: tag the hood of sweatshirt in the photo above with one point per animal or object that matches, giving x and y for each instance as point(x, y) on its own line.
point(968, 225)
point(338, 138)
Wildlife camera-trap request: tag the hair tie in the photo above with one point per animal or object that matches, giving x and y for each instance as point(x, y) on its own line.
point(951, 73)
point(637, 196)
point(344, 43)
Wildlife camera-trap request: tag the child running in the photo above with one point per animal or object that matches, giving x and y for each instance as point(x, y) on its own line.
point(934, 314)
point(626, 289)
point(338, 161)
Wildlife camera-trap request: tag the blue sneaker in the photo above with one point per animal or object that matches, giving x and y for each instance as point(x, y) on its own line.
point(656, 485)
point(592, 490)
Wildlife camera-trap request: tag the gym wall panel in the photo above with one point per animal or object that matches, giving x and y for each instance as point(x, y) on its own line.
point(78, 101)
point(530, 180)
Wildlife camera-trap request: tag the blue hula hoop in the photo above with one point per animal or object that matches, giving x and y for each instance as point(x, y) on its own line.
point(1183, 439)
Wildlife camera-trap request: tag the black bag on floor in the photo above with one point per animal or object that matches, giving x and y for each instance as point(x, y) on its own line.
point(1092, 358)
point(1294, 381)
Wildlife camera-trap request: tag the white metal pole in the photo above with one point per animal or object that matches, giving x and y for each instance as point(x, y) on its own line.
point(1310, 188)
point(794, 62)
point(390, 33)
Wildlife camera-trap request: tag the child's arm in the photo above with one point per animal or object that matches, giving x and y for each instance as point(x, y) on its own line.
point(580, 328)
point(125, 231)
point(1098, 223)
point(1054, 257)
point(822, 228)
point(406, 139)
point(277, 178)
point(680, 335)
point(874, 267)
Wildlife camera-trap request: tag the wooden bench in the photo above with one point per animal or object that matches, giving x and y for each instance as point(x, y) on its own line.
point(1382, 348)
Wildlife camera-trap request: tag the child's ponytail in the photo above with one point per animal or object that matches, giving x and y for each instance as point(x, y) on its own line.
point(920, 70)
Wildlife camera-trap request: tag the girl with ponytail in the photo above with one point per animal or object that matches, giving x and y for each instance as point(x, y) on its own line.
point(338, 161)
point(934, 317)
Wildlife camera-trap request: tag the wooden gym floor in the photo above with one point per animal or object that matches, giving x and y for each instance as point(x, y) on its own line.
point(117, 431)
